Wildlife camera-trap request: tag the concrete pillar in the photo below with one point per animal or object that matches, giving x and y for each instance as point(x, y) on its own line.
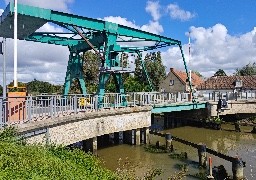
point(111, 138)
point(118, 137)
point(168, 142)
point(128, 137)
point(146, 135)
point(152, 118)
point(137, 136)
point(94, 145)
point(202, 155)
point(238, 169)
point(165, 120)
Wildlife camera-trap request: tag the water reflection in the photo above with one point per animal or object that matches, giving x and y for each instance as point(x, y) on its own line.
point(225, 141)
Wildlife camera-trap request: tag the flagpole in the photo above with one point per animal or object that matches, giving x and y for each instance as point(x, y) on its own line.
point(189, 58)
point(15, 57)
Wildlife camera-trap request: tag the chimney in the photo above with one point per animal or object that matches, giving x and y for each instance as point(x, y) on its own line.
point(171, 69)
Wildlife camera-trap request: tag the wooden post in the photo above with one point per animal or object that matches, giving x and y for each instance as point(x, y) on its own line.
point(168, 142)
point(238, 169)
point(202, 155)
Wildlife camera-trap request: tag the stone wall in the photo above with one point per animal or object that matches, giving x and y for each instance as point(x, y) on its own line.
point(71, 129)
point(234, 107)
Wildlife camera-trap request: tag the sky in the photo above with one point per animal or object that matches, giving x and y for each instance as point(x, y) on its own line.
point(223, 34)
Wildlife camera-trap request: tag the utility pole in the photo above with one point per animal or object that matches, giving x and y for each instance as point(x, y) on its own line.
point(15, 43)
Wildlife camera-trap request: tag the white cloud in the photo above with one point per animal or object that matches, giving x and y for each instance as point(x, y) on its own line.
point(121, 20)
point(1, 11)
point(44, 62)
point(58, 5)
point(212, 49)
point(177, 13)
point(153, 27)
point(153, 8)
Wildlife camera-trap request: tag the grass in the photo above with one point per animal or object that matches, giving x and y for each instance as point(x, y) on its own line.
point(21, 161)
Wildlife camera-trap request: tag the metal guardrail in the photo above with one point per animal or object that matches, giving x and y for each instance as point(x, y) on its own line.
point(34, 108)
point(236, 96)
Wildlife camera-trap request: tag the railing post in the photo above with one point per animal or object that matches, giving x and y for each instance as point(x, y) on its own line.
point(29, 107)
point(246, 95)
point(134, 98)
point(75, 104)
point(51, 106)
point(209, 96)
point(214, 96)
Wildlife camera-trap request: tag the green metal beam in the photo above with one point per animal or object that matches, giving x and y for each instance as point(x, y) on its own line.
point(178, 107)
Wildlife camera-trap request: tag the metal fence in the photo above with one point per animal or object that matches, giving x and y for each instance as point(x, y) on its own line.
point(237, 96)
point(35, 108)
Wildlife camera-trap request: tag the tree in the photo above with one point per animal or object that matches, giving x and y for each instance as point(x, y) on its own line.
point(38, 87)
point(90, 67)
point(247, 70)
point(220, 72)
point(155, 69)
point(197, 73)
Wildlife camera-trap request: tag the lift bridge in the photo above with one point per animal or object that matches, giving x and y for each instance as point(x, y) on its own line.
point(108, 40)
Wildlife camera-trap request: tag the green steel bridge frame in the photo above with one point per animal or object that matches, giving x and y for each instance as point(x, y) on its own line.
point(83, 34)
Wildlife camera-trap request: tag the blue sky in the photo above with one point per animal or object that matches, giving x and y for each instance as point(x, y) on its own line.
point(223, 32)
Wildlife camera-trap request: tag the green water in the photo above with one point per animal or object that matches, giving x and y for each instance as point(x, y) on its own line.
point(225, 141)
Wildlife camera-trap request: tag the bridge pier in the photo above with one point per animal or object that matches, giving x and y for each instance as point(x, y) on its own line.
point(94, 145)
point(137, 136)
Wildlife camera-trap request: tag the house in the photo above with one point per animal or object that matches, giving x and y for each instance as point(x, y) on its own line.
point(227, 84)
point(177, 81)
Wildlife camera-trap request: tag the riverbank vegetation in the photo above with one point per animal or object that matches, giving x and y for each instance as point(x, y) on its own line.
point(19, 160)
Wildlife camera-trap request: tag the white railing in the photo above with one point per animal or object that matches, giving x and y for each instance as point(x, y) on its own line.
point(34, 108)
point(236, 96)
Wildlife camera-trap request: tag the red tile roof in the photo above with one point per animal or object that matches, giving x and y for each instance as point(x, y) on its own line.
point(196, 80)
point(228, 82)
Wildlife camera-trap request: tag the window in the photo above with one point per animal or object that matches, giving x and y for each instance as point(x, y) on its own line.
point(171, 82)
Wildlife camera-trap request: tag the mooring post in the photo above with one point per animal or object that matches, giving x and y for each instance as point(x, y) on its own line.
point(202, 155)
point(237, 168)
point(210, 176)
point(168, 142)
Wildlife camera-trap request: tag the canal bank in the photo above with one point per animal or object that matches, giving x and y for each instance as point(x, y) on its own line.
point(225, 141)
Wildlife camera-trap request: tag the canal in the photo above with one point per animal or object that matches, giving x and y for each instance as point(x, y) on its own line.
point(226, 141)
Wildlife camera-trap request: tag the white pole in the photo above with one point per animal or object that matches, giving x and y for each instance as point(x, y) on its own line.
point(4, 70)
point(15, 42)
point(189, 58)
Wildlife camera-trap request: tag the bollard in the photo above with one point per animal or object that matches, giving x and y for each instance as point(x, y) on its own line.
point(202, 155)
point(237, 168)
point(168, 142)
point(210, 169)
